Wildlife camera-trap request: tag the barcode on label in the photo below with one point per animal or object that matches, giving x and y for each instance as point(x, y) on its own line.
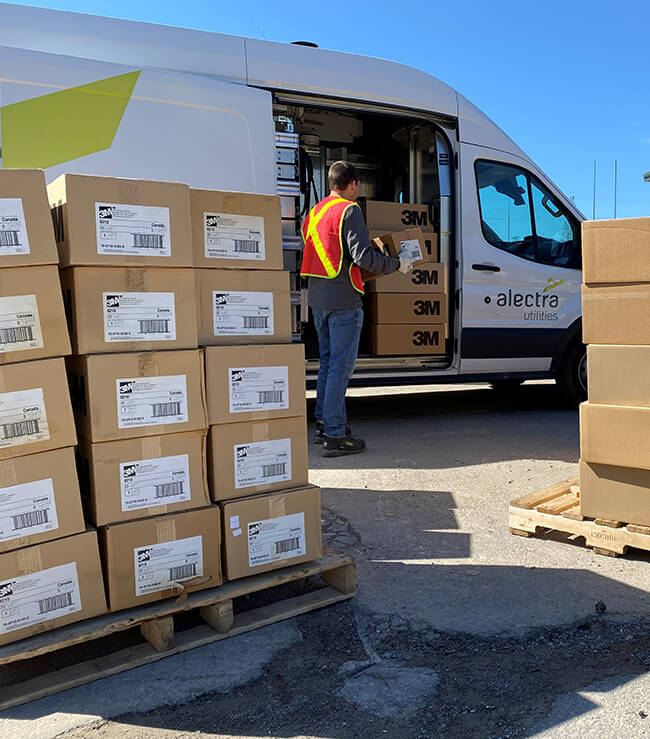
point(154, 326)
point(55, 603)
point(148, 241)
point(270, 396)
point(16, 335)
point(9, 238)
point(33, 518)
point(177, 573)
point(20, 428)
point(256, 321)
point(168, 489)
point(287, 545)
point(271, 470)
point(247, 247)
point(166, 409)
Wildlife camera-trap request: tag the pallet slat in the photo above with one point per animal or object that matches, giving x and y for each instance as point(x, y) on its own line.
point(559, 504)
point(532, 500)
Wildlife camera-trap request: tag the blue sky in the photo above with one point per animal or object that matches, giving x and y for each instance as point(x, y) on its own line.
point(568, 81)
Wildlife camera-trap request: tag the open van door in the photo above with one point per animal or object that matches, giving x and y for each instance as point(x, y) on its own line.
point(521, 266)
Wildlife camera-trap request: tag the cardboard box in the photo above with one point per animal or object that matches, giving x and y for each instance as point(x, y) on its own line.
point(427, 277)
point(125, 396)
point(238, 230)
point(257, 457)
point(616, 250)
point(619, 375)
point(32, 319)
point(118, 309)
point(385, 216)
point(136, 478)
point(35, 410)
point(113, 222)
point(615, 435)
point(50, 585)
point(417, 245)
point(616, 314)
point(406, 339)
point(26, 233)
point(162, 557)
point(267, 532)
point(408, 308)
point(39, 499)
point(243, 307)
point(616, 493)
point(255, 383)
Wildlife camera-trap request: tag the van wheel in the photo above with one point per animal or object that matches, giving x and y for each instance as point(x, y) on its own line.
point(572, 377)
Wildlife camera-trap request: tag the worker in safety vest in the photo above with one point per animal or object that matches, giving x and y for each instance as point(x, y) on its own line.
point(337, 247)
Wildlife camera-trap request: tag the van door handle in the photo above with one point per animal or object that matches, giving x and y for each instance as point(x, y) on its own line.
point(486, 268)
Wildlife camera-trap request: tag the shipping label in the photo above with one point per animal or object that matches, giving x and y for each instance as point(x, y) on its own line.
point(276, 539)
point(242, 313)
point(410, 249)
point(258, 389)
point(13, 229)
point(140, 230)
point(153, 482)
point(27, 509)
point(139, 317)
point(262, 462)
point(31, 599)
point(22, 417)
point(232, 236)
point(161, 566)
point(20, 325)
point(150, 401)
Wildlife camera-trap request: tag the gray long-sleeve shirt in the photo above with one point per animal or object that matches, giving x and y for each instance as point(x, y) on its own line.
point(338, 293)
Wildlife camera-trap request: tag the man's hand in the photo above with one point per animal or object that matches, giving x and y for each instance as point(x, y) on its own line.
point(405, 265)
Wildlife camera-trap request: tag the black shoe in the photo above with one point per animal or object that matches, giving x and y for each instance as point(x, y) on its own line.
point(319, 434)
point(342, 447)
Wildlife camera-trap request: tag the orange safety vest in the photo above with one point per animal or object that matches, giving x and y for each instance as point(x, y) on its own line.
point(322, 234)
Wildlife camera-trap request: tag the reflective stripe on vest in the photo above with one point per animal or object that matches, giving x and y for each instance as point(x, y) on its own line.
point(312, 233)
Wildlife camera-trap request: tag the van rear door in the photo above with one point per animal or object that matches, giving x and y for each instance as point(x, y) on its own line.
point(521, 265)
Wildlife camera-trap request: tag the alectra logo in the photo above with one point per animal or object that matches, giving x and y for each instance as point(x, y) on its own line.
point(551, 283)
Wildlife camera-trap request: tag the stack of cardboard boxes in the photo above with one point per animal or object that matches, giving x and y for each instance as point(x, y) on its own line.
point(50, 572)
point(138, 383)
point(408, 313)
point(615, 422)
point(255, 380)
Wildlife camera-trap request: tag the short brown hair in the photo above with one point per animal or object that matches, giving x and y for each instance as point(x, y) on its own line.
point(341, 174)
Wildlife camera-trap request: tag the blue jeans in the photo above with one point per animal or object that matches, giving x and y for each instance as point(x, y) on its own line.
point(338, 341)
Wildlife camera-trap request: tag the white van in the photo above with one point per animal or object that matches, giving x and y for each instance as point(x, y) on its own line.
point(95, 95)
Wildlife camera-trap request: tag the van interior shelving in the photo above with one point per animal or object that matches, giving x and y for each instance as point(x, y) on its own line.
point(398, 157)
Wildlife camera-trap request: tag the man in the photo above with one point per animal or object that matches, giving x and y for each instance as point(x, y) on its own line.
point(337, 247)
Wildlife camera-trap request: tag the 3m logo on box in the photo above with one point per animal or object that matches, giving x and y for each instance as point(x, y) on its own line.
point(112, 301)
point(128, 471)
point(426, 308)
point(242, 452)
point(105, 211)
point(236, 376)
point(426, 338)
point(6, 589)
point(425, 277)
point(126, 388)
point(144, 555)
point(220, 299)
point(414, 218)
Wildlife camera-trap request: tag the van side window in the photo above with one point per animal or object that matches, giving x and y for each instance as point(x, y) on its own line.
point(520, 216)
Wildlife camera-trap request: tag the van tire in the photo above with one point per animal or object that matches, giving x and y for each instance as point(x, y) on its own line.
point(572, 376)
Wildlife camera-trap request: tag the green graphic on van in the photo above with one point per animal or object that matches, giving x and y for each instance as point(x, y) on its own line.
point(55, 128)
point(552, 283)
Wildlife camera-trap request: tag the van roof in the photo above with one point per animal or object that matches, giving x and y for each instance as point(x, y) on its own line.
point(267, 64)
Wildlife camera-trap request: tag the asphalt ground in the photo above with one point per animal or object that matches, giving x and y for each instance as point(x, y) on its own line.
point(459, 629)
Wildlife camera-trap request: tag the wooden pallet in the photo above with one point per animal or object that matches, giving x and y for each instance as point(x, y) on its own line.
point(156, 624)
point(558, 508)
